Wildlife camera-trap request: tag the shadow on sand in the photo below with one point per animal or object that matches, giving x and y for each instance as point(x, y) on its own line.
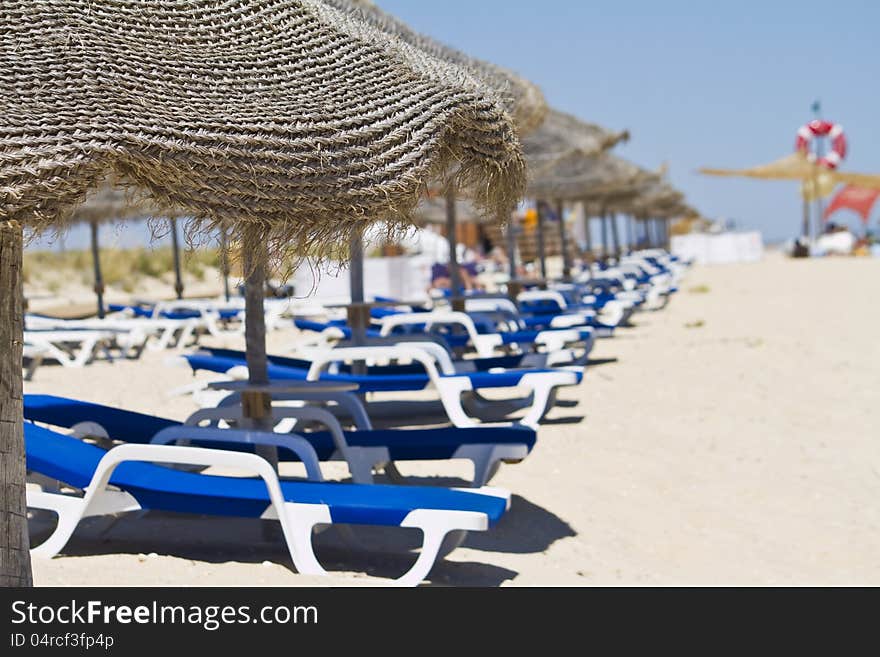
point(378, 552)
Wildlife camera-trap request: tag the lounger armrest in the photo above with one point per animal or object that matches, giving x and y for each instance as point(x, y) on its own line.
point(321, 360)
point(306, 413)
point(297, 444)
point(347, 401)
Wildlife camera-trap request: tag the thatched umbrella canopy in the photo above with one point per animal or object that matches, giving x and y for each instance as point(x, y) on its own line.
point(290, 122)
point(657, 198)
point(562, 135)
point(594, 179)
point(561, 141)
point(522, 99)
point(598, 180)
point(561, 138)
point(654, 204)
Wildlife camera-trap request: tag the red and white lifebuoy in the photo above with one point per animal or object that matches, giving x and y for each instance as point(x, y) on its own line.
point(819, 128)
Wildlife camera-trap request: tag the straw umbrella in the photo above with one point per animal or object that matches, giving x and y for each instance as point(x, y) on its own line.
point(294, 151)
point(522, 99)
point(599, 181)
point(561, 137)
point(656, 202)
point(799, 167)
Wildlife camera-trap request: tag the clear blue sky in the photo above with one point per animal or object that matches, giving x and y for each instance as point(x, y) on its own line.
point(698, 83)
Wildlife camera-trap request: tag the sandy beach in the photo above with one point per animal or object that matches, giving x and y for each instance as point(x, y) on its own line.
point(729, 440)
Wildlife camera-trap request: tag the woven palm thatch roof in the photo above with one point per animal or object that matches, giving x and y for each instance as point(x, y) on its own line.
point(561, 136)
point(600, 179)
point(523, 100)
point(656, 199)
point(293, 116)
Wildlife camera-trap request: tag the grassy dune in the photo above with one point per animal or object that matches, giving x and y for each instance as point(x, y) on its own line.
point(125, 269)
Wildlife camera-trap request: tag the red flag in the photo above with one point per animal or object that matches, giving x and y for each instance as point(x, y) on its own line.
point(854, 198)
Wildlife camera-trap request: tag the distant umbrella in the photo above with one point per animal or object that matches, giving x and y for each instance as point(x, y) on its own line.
point(561, 138)
point(797, 167)
point(817, 181)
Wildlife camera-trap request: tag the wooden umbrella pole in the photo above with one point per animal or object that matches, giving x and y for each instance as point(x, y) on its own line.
point(513, 286)
point(358, 313)
point(588, 230)
point(256, 406)
point(615, 235)
point(604, 219)
point(542, 254)
point(563, 241)
point(455, 279)
point(628, 227)
point(96, 262)
point(805, 226)
point(15, 560)
point(175, 247)
point(224, 262)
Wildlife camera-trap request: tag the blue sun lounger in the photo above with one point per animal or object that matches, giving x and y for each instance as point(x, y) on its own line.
point(364, 450)
point(542, 384)
point(478, 334)
point(139, 484)
point(449, 342)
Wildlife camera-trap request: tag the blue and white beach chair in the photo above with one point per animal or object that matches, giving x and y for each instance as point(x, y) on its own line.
point(365, 449)
point(435, 371)
point(127, 478)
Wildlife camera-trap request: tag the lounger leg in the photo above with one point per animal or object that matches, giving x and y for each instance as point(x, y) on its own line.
point(450, 390)
point(540, 405)
point(361, 469)
point(85, 353)
point(394, 475)
point(186, 333)
point(70, 512)
point(435, 525)
point(164, 339)
point(301, 520)
point(485, 468)
point(34, 363)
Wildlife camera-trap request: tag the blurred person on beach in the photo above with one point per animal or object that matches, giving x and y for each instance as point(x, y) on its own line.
point(835, 240)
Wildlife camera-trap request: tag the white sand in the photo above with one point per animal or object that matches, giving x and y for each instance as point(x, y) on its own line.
point(731, 443)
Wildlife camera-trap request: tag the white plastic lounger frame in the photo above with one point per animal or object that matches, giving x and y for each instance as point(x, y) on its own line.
point(209, 316)
point(164, 332)
point(59, 345)
point(129, 335)
point(450, 387)
point(297, 520)
point(35, 355)
point(484, 345)
point(362, 461)
point(567, 319)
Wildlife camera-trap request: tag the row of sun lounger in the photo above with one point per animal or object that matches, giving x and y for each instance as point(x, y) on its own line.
point(98, 460)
